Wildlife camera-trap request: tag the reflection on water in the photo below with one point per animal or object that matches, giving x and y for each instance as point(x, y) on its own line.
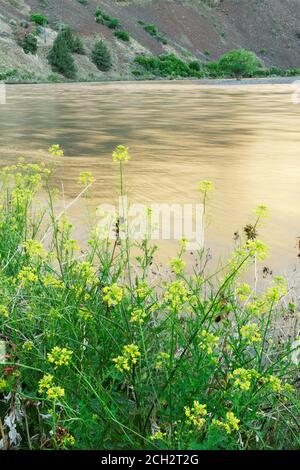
point(245, 139)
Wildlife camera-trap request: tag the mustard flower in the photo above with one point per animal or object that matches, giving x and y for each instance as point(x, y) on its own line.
point(85, 314)
point(112, 294)
point(4, 311)
point(258, 249)
point(28, 345)
point(87, 272)
point(27, 276)
point(54, 393)
point(142, 290)
point(45, 383)
point(206, 187)
point(35, 249)
point(56, 151)
point(67, 441)
point(230, 424)
point(51, 281)
point(177, 265)
point(250, 333)
point(3, 385)
point(242, 378)
point(176, 295)
point(138, 315)
point(161, 360)
point(209, 342)
point(120, 154)
point(196, 415)
point(86, 178)
point(130, 356)
point(158, 436)
point(59, 356)
point(243, 292)
point(262, 211)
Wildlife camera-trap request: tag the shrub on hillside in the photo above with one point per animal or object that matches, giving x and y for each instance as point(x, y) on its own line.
point(28, 42)
point(123, 35)
point(239, 63)
point(74, 43)
point(166, 65)
point(39, 19)
point(61, 59)
point(101, 56)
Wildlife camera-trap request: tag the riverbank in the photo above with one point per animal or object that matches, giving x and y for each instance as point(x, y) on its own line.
point(205, 81)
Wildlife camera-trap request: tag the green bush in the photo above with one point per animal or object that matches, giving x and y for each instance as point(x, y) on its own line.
point(60, 57)
point(39, 19)
point(101, 56)
point(153, 31)
point(29, 43)
point(166, 65)
point(239, 63)
point(74, 43)
point(123, 35)
point(106, 20)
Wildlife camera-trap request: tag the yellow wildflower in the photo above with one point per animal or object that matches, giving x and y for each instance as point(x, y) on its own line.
point(242, 378)
point(86, 178)
point(176, 295)
point(35, 249)
point(162, 359)
point(28, 345)
point(230, 424)
point(56, 151)
point(250, 333)
point(51, 281)
point(206, 187)
point(138, 316)
point(27, 276)
point(59, 356)
point(209, 342)
point(130, 356)
point(177, 265)
point(4, 311)
point(120, 154)
point(158, 436)
point(3, 385)
point(112, 294)
point(196, 414)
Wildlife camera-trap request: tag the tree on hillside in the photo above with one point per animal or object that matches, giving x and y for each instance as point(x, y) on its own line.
point(101, 56)
point(74, 43)
point(239, 63)
point(61, 59)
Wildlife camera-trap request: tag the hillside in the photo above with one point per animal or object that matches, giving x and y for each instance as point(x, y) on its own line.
point(200, 29)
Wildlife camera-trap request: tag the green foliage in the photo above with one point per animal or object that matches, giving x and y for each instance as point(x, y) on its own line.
point(74, 43)
point(238, 63)
point(123, 35)
point(60, 57)
point(166, 65)
point(107, 20)
point(105, 353)
point(101, 56)
point(153, 31)
point(29, 43)
point(39, 19)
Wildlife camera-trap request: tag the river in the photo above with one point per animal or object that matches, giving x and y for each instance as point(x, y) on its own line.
point(245, 139)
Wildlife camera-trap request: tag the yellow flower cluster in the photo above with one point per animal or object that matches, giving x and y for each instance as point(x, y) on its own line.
point(142, 290)
point(35, 249)
point(196, 415)
point(51, 281)
point(243, 292)
point(138, 316)
point(230, 425)
point(250, 333)
point(205, 186)
point(28, 345)
point(277, 385)
point(177, 265)
point(4, 311)
point(209, 342)
point(86, 272)
point(242, 378)
point(52, 391)
point(3, 385)
point(130, 356)
point(259, 306)
point(67, 441)
point(56, 151)
point(176, 295)
point(162, 359)
point(112, 295)
point(258, 249)
point(85, 314)
point(59, 356)
point(86, 178)
point(261, 211)
point(120, 154)
point(27, 276)
point(158, 436)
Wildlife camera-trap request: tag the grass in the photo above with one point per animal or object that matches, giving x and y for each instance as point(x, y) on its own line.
point(99, 352)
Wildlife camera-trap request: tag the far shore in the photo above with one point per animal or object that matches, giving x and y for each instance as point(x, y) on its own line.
point(210, 82)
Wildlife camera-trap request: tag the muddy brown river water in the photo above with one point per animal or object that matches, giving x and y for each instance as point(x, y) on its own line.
point(246, 139)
